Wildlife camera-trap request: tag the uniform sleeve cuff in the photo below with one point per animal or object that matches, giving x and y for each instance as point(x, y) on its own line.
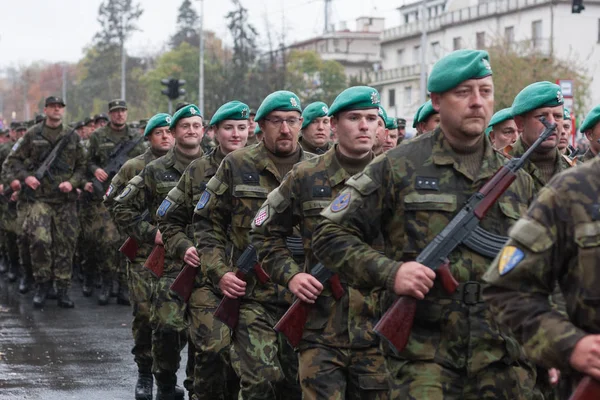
point(391, 278)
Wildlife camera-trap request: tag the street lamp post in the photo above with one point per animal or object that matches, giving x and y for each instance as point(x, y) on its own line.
point(201, 59)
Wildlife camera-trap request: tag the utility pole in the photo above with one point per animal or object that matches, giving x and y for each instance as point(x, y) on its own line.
point(123, 60)
point(423, 80)
point(64, 83)
point(201, 59)
point(327, 15)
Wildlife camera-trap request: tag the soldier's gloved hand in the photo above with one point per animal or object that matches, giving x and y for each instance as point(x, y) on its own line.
point(32, 182)
point(100, 174)
point(158, 238)
point(232, 286)
point(15, 185)
point(553, 376)
point(586, 356)
point(413, 279)
point(88, 187)
point(191, 257)
point(65, 187)
point(305, 287)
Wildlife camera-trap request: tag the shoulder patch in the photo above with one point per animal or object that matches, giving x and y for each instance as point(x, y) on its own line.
point(109, 190)
point(17, 144)
point(511, 256)
point(341, 202)
point(262, 215)
point(124, 193)
point(204, 198)
point(163, 208)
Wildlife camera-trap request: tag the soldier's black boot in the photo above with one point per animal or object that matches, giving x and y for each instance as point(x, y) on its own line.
point(41, 292)
point(3, 264)
point(24, 285)
point(52, 295)
point(143, 387)
point(170, 393)
point(13, 272)
point(63, 299)
point(123, 296)
point(104, 295)
point(114, 289)
point(88, 285)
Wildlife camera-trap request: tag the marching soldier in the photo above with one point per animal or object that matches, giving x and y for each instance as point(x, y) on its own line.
point(591, 129)
point(502, 129)
point(426, 118)
point(315, 136)
point(391, 134)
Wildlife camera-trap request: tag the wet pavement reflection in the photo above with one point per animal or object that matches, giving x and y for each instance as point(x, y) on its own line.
point(55, 353)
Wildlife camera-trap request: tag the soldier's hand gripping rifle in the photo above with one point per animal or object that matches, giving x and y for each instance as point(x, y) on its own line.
point(228, 310)
point(291, 325)
point(130, 247)
point(395, 325)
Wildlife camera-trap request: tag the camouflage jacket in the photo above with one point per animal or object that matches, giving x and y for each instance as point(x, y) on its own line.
point(175, 221)
point(30, 152)
point(312, 149)
point(225, 212)
point(587, 156)
point(103, 141)
point(5, 149)
point(146, 191)
point(408, 195)
point(557, 242)
point(298, 201)
point(517, 150)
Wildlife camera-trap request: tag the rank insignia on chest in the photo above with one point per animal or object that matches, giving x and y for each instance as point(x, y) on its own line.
point(164, 207)
point(341, 202)
point(109, 191)
point(261, 216)
point(427, 183)
point(204, 198)
point(509, 259)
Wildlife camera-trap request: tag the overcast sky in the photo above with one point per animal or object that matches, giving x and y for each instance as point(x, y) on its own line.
point(58, 30)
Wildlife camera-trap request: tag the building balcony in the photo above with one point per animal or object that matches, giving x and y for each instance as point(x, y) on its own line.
point(405, 73)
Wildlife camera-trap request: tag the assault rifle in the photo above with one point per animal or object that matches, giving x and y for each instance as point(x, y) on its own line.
point(228, 310)
point(116, 159)
point(156, 261)
point(587, 389)
point(130, 247)
point(395, 325)
point(291, 325)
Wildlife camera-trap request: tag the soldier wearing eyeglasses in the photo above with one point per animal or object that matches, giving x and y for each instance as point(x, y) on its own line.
point(264, 362)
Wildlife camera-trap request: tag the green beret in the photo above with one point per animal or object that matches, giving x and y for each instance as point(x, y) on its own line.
point(457, 67)
point(501, 116)
point(185, 112)
point(537, 95)
point(591, 119)
point(157, 121)
point(355, 98)
point(416, 117)
point(281, 100)
point(233, 110)
point(391, 123)
point(425, 112)
point(566, 113)
point(382, 114)
point(312, 111)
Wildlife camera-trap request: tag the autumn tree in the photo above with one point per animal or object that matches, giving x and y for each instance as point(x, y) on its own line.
point(187, 26)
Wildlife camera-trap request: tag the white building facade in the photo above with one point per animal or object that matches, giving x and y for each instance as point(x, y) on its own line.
point(548, 26)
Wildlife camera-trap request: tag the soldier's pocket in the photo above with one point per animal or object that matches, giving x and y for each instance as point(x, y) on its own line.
point(250, 199)
point(587, 238)
point(321, 312)
point(427, 213)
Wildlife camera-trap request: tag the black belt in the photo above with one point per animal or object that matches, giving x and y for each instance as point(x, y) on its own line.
point(468, 292)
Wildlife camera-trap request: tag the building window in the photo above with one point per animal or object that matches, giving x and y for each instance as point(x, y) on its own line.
point(435, 51)
point(416, 54)
point(509, 34)
point(400, 57)
point(457, 43)
point(392, 98)
point(480, 40)
point(407, 95)
point(536, 33)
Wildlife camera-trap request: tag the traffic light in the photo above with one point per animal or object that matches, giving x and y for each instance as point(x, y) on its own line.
point(174, 88)
point(577, 6)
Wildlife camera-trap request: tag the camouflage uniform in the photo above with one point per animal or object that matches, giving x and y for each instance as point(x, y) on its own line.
point(146, 191)
point(312, 149)
point(100, 236)
point(207, 144)
point(210, 336)
point(262, 359)
point(556, 243)
point(587, 156)
point(339, 356)
point(50, 224)
point(11, 224)
point(139, 279)
point(409, 194)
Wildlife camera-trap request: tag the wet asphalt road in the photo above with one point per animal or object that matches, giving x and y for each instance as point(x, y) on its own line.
point(59, 354)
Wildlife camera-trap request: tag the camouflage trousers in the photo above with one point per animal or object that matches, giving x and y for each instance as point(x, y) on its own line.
point(23, 244)
point(263, 360)
point(51, 230)
point(99, 241)
point(140, 282)
point(213, 376)
point(416, 380)
point(330, 373)
point(169, 329)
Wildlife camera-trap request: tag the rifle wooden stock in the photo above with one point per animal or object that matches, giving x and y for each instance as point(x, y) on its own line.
point(156, 261)
point(129, 248)
point(261, 274)
point(587, 389)
point(184, 283)
point(291, 325)
point(336, 286)
point(228, 310)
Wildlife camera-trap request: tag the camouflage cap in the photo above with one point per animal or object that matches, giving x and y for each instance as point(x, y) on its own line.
point(117, 105)
point(88, 121)
point(39, 118)
point(391, 123)
point(401, 122)
point(591, 119)
point(355, 98)
point(312, 111)
point(191, 110)
point(537, 95)
point(157, 121)
point(100, 116)
point(54, 100)
point(235, 110)
point(20, 127)
point(282, 100)
point(457, 67)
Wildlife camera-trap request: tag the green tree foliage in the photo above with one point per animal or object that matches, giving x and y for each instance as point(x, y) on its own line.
point(187, 26)
point(117, 19)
